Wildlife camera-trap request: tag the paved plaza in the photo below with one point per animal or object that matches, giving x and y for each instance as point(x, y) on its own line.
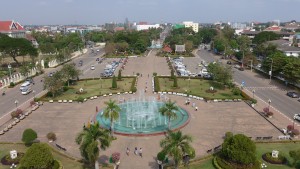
point(207, 126)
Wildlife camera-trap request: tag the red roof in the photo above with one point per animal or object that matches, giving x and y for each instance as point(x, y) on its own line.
point(6, 26)
point(167, 49)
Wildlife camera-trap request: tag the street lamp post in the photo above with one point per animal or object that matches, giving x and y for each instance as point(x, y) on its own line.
point(253, 91)
point(189, 83)
point(294, 122)
point(269, 101)
point(270, 72)
point(16, 102)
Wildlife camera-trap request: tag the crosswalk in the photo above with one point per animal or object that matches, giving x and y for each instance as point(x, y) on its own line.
point(264, 88)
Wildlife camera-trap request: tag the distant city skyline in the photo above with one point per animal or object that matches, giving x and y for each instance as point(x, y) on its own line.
point(56, 12)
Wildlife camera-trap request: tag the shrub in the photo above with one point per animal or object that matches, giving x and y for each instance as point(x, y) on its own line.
point(80, 99)
point(175, 84)
point(236, 91)
point(120, 75)
point(245, 96)
point(266, 109)
point(51, 136)
point(269, 114)
point(29, 136)
point(228, 134)
point(172, 74)
point(12, 84)
point(290, 127)
point(16, 113)
point(133, 88)
point(295, 132)
point(116, 157)
point(253, 101)
point(154, 74)
point(38, 156)
point(114, 84)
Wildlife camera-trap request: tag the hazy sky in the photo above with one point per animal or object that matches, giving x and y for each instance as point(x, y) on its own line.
point(102, 11)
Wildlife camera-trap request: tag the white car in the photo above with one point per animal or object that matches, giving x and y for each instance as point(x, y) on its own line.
point(297, 117)
point(92, 67)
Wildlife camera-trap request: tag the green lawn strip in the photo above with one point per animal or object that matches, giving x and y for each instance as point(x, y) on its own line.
point(67, 162)
point(197, 87)
point(95, 87)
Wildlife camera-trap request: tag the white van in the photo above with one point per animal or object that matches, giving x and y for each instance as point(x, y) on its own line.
point(26, 88)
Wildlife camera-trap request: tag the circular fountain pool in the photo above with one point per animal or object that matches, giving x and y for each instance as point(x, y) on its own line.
point(143, 118)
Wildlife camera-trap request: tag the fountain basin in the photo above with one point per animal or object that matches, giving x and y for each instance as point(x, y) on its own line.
point(140, 118)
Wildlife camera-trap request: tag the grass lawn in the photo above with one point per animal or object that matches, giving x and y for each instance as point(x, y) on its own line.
point(196, 87)
point(66, 162)
point(94, 88)
point(261, 148)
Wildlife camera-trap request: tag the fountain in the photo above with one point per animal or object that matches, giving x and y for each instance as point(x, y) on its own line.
point(141, 116)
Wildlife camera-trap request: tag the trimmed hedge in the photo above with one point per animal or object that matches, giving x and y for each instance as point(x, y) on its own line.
point(156, 84)
point(215, 163)
point(245, 96)
point(133, 87)
point(223, 164)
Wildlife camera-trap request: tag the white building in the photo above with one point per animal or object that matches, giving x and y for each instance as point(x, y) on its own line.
point(146, 27)
point(190, 24)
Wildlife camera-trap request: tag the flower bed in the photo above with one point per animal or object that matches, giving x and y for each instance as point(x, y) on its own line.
point(6, 160)
point(268, 158)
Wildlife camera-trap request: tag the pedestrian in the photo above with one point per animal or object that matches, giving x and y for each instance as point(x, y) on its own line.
point(193, 105)
point(196, 108)
point(186, 102)
point(127, 151)
point(141, 75)
point(135, 151)
point(148, 75)
point(141, 152)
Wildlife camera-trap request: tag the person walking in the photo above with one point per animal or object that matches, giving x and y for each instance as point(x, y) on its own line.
point(196, 108)
point(135, 151)
point(127, 151)
point(141, 152)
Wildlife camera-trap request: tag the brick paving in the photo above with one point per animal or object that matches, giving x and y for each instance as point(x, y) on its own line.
point(207, 125)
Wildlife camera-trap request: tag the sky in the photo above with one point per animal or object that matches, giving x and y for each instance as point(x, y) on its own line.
point(45, 12)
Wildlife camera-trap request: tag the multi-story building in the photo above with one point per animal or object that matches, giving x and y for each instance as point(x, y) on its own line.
point(190, 24)
point(146, 27)
point(12, 29)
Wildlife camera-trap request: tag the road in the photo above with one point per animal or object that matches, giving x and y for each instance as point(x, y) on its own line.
point(262, 87)
point(7, 102)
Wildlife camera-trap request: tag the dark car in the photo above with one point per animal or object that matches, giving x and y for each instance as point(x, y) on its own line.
point(292, 94)
point(229, 62)
point(207, 77)
point(97, 59)
point(241, 69)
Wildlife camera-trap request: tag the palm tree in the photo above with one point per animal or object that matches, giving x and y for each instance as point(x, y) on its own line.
point(111, 112)
point(90, 139)
point(169, 110)
point(177, 145)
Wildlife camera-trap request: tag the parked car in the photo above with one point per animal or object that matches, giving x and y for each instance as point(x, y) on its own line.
point(292, 94)
point(97, 59)
point(229, 62)
point(241, 69)
point(237, 66)
point(30, 80)
point(207, 77)
point(92, 67)
point(297, 117)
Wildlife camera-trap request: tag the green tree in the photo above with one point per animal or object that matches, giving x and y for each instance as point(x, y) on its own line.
point(111, 112)
point(264, 37)
point(239, 149)
point(278, 60)
point(244, 44)
point(70, 72)
point(38, 156)
point(16, 47)
point(90, 139)
point(29, 136)
point(120, 75)
point(169, 110)
point(24, 70)
point(114, 84)
point(54, 84)
point(172, 74)
point(175, 83)
point(220, 73)
point(177, 145)
point(291, 70)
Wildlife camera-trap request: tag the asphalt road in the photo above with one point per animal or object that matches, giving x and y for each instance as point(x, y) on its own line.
point(262, 87)
point(7, 102)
